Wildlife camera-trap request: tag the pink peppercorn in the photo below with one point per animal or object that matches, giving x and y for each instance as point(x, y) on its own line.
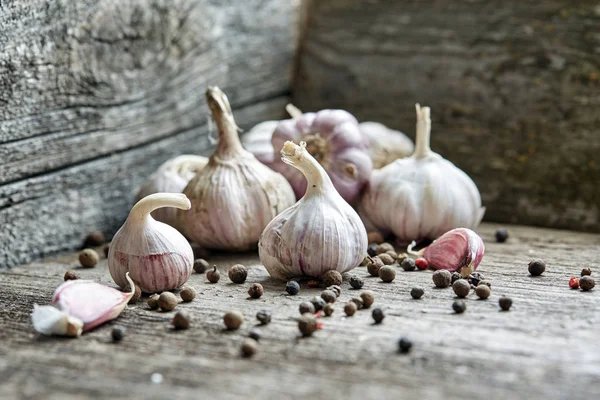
point(574, 283)
point(422, 263)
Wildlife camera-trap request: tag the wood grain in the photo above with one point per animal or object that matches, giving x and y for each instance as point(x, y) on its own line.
point(513, 88)
point(545, 347)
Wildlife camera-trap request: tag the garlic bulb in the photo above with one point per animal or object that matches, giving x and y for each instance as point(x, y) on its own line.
point(235, 196)
point(422, 196)
point(385, 145)
point(258, 141)
point(320, 232)
point(171, 177)
point(156, 255)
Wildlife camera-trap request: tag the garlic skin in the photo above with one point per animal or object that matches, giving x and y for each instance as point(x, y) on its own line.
point(422, 196)
point(156, 255)
point(235, 196)
point(258, 141)
point(320, 232)
point(171, 177)
point(385, 145)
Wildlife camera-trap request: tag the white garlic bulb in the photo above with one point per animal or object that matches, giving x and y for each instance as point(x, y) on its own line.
point(422, 196)
point(171, 177)
point(235, 196)
point(156, 255)
point(320, 232)
point(385, 145)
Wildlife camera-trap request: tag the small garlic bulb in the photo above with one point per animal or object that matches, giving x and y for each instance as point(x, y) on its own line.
point(422, 196)
point(235, 196)
point(320, 232)
point(156, 255)
point(171, 177)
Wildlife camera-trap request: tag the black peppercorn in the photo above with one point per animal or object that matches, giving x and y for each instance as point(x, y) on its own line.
point(459, 306)
point(201, 265)
point(71, 275)
point(233, 320)
point(264, 316)
point(254, 334)
point(461, 288)
point(455, 276)
point(153, 301)
point(335, 289)
point(307, 324)
point(188, 294)
point(350, 308)
point(167, 301)
point(118, 333)
point(181, 320)
point(332, 277)
point(368, 298)
point(356, 282)
point(383, 247)
point(318, 303)
point(387, 273)
point(483, 291)
point(88, 258)
point(442, 278)
point(475, 278)
point(256, 290)
point(586, 283)
point(501, 235)
point(94, 239)
point(408, 264)
point(328, 309)
point(238, 273)
point(213, 275)
point(374, 265)
point(292, 287)
point(536, 267)
point(372, 249)
point(417, 292)
point(306, 307)
point(404, 345)
point(248, 347)
point(505, 303)
point(378, 315)
point(329, 296)
point(386, 259)
point(586, 271)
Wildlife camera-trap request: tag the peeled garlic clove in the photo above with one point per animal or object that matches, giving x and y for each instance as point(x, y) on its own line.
point(156, 255)
point(171, 177)
point(49, 320)
point(385, 145)
point(320, 232)
point(235, 196)
point(258, 141)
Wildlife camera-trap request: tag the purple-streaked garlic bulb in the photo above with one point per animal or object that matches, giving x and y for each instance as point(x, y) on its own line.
point(258, 141)
point(320, 232)
point(333, 138)
point(156, 255)
point(235, 196)
point(171, 177)
point(458, 250)
point(385, 145)
point(422, 196)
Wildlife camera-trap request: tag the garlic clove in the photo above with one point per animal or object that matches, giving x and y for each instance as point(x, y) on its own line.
point(156, 255)
point(385, 145)
point(49, 320)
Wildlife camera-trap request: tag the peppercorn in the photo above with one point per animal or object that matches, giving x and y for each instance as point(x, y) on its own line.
point(483, 291)
point(536, 267)
point(118, 333)
point(375, 237)
point(137, 294)
point(188, 294)
point(199, 251)
point(574, 283)
point(71, 275)
point(181, 320)
point(233, 319)
point(386, 259)
point(256, 290)
point(335, 289)
point(292, 287)
point(408, 264)
point(167, 301)
point(248, 347)
point(417, 292)
point(461, 288)
point(153, 301)
point(374, 265)
point(313, 283)
point(255, 334)
point(318, 303)
point(307, 324)
point(88, 258)
point(306, 307)
point(586, 271)
point(201, 265)
point(387, 273)
point(378, 315)
point(264, 316)
point(238, 273)
point(332, 277)
point(505, 303)
point(213, 275)
point(356, 282)
point(329, 296)
point(475, 278)
point(455, 276)
point(350, 308)
point(106, 250)
point(404, 345)
point(368, 298)
point(372, 249)
point(587, 283)
point(360, 304)
point(486, 283)
point(94, 239)
point(383, 247)
point(442, 278)
point(459, 306)
point(328, 309)
point(421, 263)
point(501, 235)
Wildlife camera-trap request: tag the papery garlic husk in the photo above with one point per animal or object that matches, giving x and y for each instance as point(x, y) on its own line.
point(385, 145)
point(156, 255)
point(171, 177)
point(458, 250)
point(258, 141)
point(320, 232)
point(422, 196)
point(235, 196)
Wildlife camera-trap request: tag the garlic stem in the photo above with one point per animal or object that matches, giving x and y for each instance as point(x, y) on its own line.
point(229, 141)
point(142, 209)
point(297, 156)
point(422, 145)
point(294, 111)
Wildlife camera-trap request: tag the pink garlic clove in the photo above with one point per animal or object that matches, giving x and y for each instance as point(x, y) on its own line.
point(460, 250)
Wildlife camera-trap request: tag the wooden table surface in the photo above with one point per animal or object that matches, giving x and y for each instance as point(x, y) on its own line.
point(547, 346)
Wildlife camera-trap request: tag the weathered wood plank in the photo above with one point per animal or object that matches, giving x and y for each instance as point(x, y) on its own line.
point(546, 347)
point(513, 88)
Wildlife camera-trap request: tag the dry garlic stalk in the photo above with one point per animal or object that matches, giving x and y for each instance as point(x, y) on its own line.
point(320, 232)
point(422, 196)
point(235, 196)
point(156, 255)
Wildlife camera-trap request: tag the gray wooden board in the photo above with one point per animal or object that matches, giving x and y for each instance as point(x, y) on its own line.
point(546, 347)
point(513, 88)
point(94, 95)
